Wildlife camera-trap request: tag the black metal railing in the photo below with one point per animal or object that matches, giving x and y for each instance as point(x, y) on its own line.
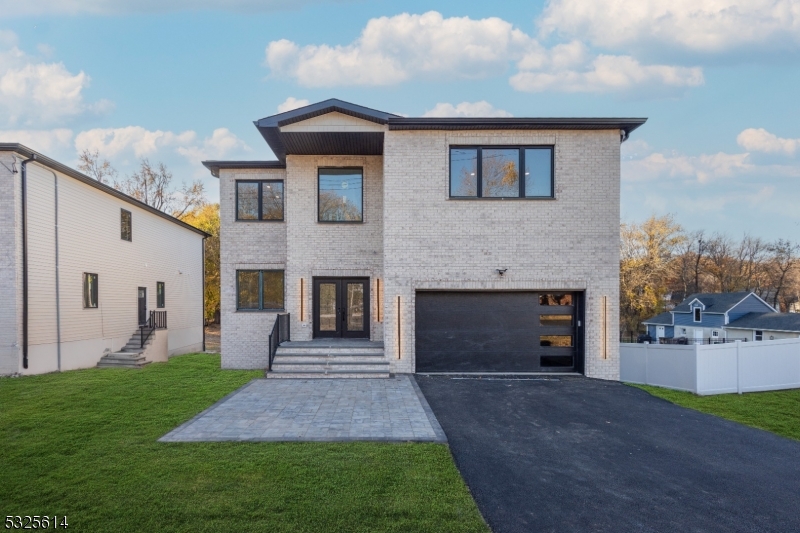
point(157, 320)
point(281, 332)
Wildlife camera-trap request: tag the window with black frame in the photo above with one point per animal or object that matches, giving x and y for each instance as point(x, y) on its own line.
point(501, 172)
point(90, 291)
point(161, 300)
point(126, 225)
point(340, 195)
point(259, 200)
point(259, 290)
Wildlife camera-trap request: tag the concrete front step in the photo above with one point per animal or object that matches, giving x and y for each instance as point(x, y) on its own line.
point(331, 367)
point(326, 350)
point(277, 374)
point(124, 356)
point(323, 359)
point(122, 360)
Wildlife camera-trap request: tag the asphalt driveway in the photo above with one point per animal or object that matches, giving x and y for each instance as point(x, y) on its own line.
point(575, 454)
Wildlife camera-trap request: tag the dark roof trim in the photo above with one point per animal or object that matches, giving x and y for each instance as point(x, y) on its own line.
point(321, 108)
point(434, 123)
point(64, 169)
point(215, 166)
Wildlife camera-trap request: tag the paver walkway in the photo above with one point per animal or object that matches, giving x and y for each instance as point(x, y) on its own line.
point(391, 409)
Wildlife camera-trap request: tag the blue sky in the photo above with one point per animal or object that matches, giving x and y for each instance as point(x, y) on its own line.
point(175, 81)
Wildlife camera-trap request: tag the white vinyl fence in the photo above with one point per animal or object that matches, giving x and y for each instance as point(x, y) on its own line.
point(714, 368)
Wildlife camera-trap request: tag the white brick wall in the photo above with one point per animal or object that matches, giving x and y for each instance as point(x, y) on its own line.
point(423, 240)
point(10, 273)
point(572, 242)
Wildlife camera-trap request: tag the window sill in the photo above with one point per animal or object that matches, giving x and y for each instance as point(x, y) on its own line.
point(494, 199)
point(256, 220)
point(261, 310)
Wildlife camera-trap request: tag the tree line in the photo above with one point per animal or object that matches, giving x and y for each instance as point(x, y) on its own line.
point(153, 185)
point(661, 264)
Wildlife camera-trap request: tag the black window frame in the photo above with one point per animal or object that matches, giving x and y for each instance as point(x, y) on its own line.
point(161, 295)
point(363, 180)
point(261, 307)
point(122, 225)
point(95, 295)
point(261, 201)
point(520, 165)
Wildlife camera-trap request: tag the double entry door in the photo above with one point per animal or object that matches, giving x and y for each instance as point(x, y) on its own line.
point(341, 307)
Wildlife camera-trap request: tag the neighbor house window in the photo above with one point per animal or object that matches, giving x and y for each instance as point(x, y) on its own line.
point(501, 172)
point(89, 291)
point(126, 230)
point(759, 335)
point(697, 316)
point(259, 290)
point(259, 200)
point(160, 297)
point(340, 195)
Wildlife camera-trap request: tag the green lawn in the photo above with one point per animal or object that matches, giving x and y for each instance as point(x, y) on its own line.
point(83, 444)
point(775, 411)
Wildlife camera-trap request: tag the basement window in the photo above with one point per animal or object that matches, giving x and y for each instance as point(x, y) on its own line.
point(89, 291)
point(501, 172)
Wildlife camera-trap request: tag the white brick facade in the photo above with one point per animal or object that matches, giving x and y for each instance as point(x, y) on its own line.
point(415, 237)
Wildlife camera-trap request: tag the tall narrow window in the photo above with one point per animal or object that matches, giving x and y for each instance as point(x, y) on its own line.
point(259, 200)
point(259, 290)
point(697, 316)
point(89, 290)
point(126, 223)
point(340, 195)
point(160, 296)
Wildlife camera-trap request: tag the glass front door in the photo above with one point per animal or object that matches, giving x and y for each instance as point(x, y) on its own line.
point(341, 307)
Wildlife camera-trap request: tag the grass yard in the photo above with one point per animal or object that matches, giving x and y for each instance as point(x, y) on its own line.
point(83, 444)
point(775, 411)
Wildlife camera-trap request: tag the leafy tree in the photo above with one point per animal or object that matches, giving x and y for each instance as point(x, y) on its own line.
point(206, 218)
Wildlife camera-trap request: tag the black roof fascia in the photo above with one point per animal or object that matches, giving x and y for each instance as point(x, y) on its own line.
point(511, 123)
point(71, 172)
point(215, 166)
point(269, 127)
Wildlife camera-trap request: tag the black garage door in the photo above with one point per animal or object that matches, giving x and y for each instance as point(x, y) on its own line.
point(498, 331)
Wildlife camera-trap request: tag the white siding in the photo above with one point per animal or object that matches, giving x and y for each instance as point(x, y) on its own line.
point(89, 241)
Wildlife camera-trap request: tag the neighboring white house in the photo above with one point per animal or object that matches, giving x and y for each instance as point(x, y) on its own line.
point(83, 265)
point(453, 244)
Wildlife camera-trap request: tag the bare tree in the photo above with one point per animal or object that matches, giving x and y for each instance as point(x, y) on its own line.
point(782, 264)
point(91, 164)
point(152, 186)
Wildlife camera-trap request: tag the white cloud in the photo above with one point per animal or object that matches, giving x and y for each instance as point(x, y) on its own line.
point(394, 49)
point(43, 141)
point(221, 143)
point(706, 26)
point(466, 109)
point(606, 73)
point(39, 92)
point(760, 140)
point(702, 168)
point(292, 103)
point(116, 7)
point(111, 142)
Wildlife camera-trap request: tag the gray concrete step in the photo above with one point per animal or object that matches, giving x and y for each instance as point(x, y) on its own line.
point(287, 349)
point(343, 367)
point(328, 374)
point(322, 359)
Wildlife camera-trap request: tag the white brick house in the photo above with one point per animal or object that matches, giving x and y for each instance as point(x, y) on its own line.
point(464, 245)
point(83, 265)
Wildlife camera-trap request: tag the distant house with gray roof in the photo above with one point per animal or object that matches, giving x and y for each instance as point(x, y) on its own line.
point(720, 317)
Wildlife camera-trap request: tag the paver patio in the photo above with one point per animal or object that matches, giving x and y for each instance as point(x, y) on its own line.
point(391, 409)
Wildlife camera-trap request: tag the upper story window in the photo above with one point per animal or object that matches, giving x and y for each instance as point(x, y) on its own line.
point(126, 225)
point(494, 172)
point(340, 195)
point(89, 290)
point(161, 300)
point(697, 314)
point(259, 200)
